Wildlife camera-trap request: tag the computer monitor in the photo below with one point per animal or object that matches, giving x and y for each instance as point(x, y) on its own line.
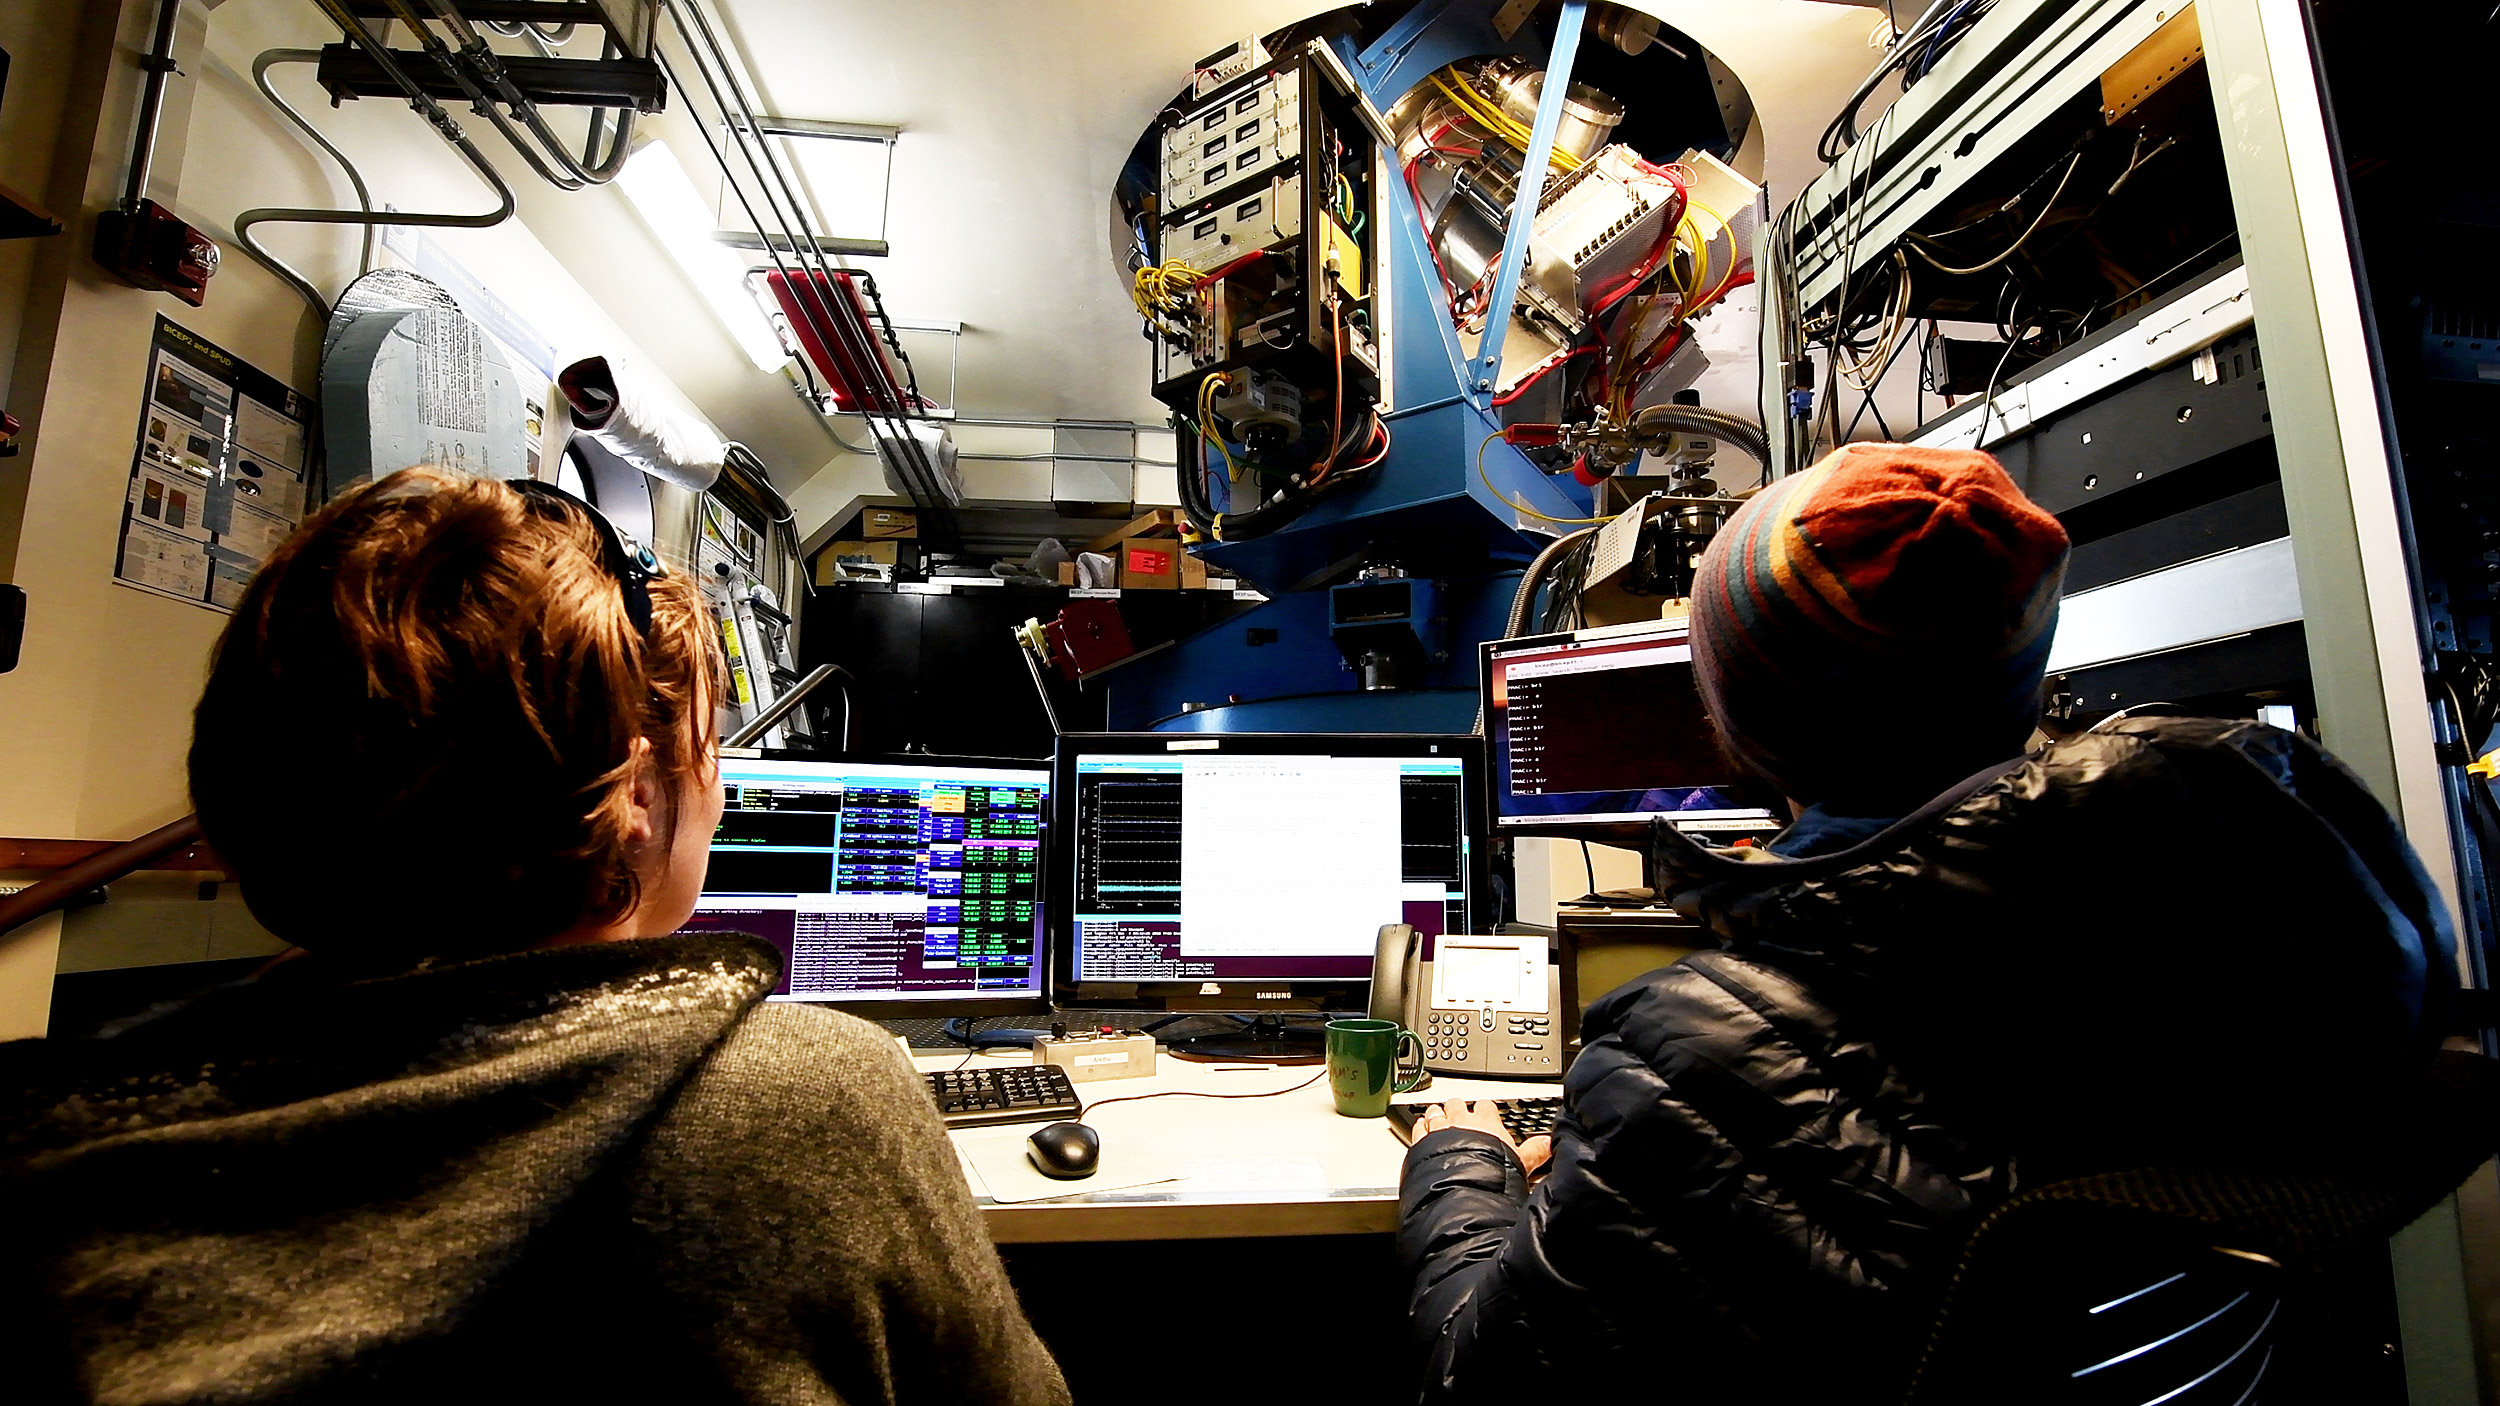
point(910, 886)
point(1250, 872)
point(1598, 732)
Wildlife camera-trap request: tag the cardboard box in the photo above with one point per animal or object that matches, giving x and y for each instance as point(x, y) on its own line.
point(889, 523)
point(1193, 571)
point(1151, 563)
point(1162, 522)
point(828, 569)
point(1067, 573)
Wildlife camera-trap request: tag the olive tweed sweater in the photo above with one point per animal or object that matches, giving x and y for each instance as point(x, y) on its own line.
point(604, 1172)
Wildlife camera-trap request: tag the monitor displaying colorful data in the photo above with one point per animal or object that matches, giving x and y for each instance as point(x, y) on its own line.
point(905, 881)
point(1258, 857)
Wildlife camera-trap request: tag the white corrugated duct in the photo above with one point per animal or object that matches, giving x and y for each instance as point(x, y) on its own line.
point(641, 424)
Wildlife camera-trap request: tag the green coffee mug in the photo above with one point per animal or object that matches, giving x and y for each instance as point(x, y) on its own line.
point(1363, 1065)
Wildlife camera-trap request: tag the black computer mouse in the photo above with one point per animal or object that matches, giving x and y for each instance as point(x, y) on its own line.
point(1065, 1151)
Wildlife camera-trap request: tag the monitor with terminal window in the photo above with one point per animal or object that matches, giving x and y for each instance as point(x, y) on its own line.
point(1252, 872)
point(1596, 733)
point(902, 887)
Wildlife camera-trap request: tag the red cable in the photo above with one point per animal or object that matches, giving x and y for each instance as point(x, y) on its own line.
point(1227, 269)
point(1522, 388)
point(1649, 265)
point(1432, 147)
point(1336, 406)
point(1383, 452)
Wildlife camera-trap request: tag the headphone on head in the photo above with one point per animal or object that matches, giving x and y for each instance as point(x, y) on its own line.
point(634, 565)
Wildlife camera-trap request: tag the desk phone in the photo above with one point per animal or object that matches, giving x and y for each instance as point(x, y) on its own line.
point(1484, 1005)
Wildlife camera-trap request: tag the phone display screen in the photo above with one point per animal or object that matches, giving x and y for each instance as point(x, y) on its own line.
point(1471, 973)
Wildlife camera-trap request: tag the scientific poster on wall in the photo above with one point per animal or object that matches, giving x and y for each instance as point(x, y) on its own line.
point(218, 479)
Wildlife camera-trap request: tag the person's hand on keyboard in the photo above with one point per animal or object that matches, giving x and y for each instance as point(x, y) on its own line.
point(1484, 1118)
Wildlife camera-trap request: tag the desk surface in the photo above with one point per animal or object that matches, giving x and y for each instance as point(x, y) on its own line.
point(1287, 1165)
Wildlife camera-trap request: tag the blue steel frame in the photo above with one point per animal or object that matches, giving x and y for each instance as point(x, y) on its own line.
point(1444, 404)
point(1479, 387)
point(1427, 504)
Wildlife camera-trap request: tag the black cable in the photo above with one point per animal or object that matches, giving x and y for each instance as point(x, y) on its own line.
point(1865, 405)
point(1843, 132)
point(1191, 480)
point(1290, 504)
point(1926, 368)
point(1091, 1108)
point(1590, 865)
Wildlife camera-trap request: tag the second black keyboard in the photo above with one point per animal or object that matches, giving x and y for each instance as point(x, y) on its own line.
point(1524, 1117)
point(1011, 1093)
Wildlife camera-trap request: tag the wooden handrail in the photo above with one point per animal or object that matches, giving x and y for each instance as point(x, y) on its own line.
point(20, 853)
point(91, 863)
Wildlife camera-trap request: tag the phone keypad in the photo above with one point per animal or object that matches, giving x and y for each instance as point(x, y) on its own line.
point(1445, 1035)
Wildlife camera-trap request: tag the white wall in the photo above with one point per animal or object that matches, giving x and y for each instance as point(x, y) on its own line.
point(95, 721)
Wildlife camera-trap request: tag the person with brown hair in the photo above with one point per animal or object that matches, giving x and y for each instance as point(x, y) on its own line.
point(496, 1133)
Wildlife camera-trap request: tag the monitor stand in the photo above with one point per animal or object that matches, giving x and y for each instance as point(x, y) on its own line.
point(959, 1029)
point(1262, 1039)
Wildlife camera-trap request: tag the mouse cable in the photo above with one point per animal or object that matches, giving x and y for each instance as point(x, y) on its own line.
point(1193, 1093)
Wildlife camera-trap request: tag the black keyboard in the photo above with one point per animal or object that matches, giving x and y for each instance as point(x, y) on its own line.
point(1014, 1093)
point(1524, 1117)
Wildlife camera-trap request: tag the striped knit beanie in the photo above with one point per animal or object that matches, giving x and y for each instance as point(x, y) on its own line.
point(1872, 630)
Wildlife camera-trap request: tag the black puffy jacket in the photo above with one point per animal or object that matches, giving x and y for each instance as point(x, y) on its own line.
point(2171, 941)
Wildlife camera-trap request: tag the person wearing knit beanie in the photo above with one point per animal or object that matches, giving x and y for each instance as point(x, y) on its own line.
point(1874, 629)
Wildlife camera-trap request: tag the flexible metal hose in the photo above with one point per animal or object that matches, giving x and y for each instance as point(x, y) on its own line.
point(1718, 424)
point(1530, 582)
point(1690, 418)
point(1533, 579)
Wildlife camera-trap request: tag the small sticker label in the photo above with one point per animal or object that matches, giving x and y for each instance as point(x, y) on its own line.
point(1094, 593)
point(1120, 1058)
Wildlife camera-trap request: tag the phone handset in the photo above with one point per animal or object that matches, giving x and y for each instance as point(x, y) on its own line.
point(1397, 964)
point(1398, 989)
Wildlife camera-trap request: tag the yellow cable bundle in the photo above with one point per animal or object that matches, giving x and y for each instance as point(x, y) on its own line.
point(1206, 425)
point(1487, 443)
point(1162, 288)
point(1499, 123)
point(1701, 245)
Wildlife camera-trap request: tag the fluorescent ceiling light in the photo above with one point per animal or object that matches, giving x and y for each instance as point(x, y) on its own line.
point(676, 213)
point(843, 171)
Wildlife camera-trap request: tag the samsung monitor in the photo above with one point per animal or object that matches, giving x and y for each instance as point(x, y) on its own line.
point(1599, 732)
point(910, 886)
point(1253, 871)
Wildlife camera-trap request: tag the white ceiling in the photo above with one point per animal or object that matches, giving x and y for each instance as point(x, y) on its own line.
point(1017, 116)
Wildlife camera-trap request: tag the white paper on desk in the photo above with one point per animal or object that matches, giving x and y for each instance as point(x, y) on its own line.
point(997, 1154)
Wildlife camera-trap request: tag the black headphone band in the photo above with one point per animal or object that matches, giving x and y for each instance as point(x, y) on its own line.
point(633, 565)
